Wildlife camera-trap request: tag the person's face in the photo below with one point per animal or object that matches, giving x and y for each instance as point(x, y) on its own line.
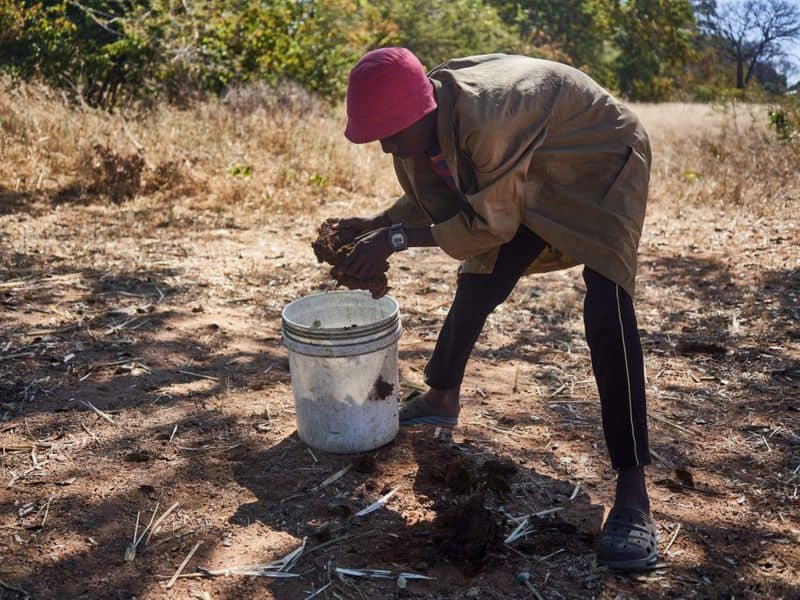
point(413, 140)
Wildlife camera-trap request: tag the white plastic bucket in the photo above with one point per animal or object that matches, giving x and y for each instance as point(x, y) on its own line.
point(343, 362)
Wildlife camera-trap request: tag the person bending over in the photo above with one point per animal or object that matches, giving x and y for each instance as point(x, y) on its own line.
point(516, 165)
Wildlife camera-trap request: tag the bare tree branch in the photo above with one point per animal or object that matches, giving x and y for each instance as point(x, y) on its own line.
point(93, 15)
point(753, 32)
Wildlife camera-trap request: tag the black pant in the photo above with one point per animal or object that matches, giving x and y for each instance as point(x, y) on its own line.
point(611, 332)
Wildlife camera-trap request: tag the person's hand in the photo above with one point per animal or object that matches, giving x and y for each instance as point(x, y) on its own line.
point(368, 257)
point(348, 229)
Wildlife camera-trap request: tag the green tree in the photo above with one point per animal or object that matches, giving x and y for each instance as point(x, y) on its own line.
point(654, 38)
point(210, 46)
point(82, 47)
point(437, 30)
point(581, 29)
point(35, 37)
point(104, 50)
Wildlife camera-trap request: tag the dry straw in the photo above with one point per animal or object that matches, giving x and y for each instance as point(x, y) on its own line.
point(258, 150)
point(261, 151)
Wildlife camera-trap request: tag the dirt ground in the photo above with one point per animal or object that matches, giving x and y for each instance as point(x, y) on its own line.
point(141, 366)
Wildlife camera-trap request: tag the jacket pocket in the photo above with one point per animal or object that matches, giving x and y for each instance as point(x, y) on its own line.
point(627, 196)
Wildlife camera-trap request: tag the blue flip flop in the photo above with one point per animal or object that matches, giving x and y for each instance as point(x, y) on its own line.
point(412, 413)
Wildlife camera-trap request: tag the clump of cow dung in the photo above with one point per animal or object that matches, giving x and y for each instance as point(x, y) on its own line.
point(467, 531)
point(497, 475)
point(329, 248)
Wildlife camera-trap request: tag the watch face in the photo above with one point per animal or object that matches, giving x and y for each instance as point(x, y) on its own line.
point(398, 240)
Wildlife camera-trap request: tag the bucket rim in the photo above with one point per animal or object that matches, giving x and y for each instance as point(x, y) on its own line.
point(346, 331)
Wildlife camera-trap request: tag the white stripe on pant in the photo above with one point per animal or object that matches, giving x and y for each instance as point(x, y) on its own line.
point(627, 377)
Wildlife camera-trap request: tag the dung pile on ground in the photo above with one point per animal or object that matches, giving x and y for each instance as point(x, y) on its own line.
point(467, 531)
point(456, 475)
point(463, 476)
point(497, 475)
point(328, 248)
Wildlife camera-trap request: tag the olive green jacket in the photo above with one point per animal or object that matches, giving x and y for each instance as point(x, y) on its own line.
point(536, 143)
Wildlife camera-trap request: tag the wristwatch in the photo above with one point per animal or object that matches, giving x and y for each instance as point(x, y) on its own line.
point(398, 239)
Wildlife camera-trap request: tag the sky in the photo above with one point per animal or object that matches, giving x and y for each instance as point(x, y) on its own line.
point(794, 50)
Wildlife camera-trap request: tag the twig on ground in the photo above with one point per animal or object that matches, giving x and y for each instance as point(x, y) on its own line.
point(377, 573)
point(46, 508)
point(663, 460)
point(158, 522)
point(378, 503)
point(183, 564)
point(202, 448)
point(288, 562)
point(575, 491)
point(551, 555)
point(13, 588)
point(120, 327)
point(116, 363)
point(524, 578)
point(342, 539)
point(87, 430)
point(672, 538)
point(98, 412)
point(201, 376)
point(657, 417)
point(520, 531)
point(319, 591)
point(130, 551)
point(26, 447)
point(338, 475)
point(276, 569)
point(178, 536)
point(15, 477)
point(17, 355)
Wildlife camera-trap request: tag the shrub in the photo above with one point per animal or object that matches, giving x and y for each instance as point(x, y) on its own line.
point(785, 119)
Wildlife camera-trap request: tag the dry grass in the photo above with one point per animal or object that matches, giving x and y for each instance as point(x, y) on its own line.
point(720, 156)
point(260, 151)
point(256, 150)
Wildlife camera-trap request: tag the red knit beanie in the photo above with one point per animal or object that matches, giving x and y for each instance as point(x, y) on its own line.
point(387, 92)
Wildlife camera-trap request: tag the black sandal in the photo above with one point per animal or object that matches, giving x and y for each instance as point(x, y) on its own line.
point(629, 541)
